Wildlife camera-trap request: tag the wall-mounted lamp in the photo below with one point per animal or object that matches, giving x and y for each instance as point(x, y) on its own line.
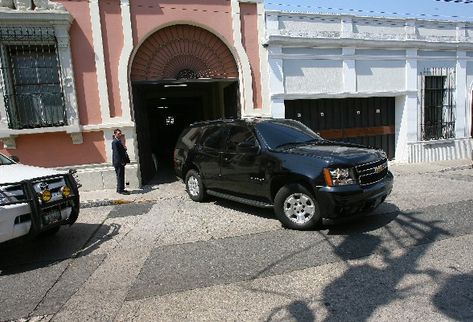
point(175, 85)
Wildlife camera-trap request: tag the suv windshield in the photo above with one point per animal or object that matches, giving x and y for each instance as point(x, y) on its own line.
point(278, 133)
point(4, 160)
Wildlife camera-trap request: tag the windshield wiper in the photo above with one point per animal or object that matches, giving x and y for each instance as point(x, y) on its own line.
point(313, 141)
point(292, 144)
point(319, 141)
point(288, 145)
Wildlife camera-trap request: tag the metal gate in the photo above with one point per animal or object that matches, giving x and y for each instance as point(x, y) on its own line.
point(366, 121)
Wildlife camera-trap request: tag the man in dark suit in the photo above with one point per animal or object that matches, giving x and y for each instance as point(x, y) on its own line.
point(119, 159)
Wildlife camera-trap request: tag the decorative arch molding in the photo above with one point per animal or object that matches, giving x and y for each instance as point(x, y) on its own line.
point(183, 51)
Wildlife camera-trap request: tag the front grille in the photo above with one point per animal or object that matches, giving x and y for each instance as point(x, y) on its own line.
point(372, 172)
point(53, 184)
point(18, 192)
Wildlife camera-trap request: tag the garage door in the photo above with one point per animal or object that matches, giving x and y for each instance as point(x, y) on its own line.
point(366, 121)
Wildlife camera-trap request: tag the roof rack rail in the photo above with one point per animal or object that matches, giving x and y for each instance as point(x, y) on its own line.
point(215, 121)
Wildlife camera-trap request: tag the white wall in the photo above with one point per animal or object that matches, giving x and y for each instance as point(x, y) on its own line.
point(312, 76)
point(379, 75)
point(316, 56)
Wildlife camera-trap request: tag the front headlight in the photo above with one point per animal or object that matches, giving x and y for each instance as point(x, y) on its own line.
point(4, 199)
point(339, 176)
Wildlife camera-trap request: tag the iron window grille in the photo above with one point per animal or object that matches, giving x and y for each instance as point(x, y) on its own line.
point(31, 78)
point(438, 104)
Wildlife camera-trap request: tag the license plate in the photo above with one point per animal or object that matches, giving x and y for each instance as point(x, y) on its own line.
point(52, 217)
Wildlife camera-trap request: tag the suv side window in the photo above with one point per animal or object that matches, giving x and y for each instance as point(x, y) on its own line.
point(214, 137)
point(239, 134)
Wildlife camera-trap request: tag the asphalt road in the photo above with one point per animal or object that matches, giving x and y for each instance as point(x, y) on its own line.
point(176, 260)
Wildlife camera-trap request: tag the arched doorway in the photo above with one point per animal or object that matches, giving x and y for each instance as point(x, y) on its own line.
point(180, 74)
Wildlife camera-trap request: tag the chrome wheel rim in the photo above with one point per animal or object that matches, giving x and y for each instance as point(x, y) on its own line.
point(193, 186)
point(299, 208)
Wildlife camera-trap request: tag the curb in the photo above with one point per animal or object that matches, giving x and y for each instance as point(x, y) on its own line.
point(104, 202)
point(112, 202)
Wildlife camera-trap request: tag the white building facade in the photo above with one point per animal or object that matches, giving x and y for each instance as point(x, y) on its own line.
point(399, 84)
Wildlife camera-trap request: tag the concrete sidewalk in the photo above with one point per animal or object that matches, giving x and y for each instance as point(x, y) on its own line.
point(151, 193)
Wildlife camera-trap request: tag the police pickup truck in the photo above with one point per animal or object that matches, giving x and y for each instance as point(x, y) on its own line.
point(35, 200)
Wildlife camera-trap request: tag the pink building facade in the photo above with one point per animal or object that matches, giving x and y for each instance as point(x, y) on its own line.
point(73, 71)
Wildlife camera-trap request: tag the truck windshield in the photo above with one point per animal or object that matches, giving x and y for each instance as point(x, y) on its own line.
point(4, 160)
point(280, 133)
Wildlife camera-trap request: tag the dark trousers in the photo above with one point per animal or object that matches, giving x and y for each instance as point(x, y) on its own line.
point(120, 172)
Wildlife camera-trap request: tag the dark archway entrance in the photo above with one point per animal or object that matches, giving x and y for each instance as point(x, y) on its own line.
point(180, 74)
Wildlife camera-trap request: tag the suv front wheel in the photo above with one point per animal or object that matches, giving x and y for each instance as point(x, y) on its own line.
point(296, 208)
point(194, 186)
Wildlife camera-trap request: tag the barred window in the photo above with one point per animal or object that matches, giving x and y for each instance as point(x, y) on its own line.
point(32, 89)
point(438, 105)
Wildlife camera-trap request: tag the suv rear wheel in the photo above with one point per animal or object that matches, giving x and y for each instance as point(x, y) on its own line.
point(194, 186)
point(296, 208)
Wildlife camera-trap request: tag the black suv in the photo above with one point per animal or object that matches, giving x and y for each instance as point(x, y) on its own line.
point(283, 164)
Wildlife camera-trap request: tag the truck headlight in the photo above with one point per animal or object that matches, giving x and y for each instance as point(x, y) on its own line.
point(4, 199)
point(339, 177)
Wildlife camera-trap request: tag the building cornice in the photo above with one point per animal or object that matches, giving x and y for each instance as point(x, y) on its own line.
point(350, 16)
point(349, 30)
point(368, 43)
point(50, 17)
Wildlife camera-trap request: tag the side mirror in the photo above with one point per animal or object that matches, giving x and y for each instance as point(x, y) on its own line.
point(246, 147)
point(15, 158)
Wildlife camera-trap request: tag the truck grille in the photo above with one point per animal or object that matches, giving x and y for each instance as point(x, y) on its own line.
point(369, 173)
point(54, 184)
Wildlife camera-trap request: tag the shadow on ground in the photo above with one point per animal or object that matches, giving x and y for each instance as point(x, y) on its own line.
point(77, 240)
point(363, 288)
point(455, 298)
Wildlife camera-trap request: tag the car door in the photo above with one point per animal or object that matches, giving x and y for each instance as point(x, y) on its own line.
point(209, 154)
point(242, 163)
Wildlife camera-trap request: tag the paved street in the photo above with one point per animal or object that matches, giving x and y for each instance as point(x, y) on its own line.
point(171, 259)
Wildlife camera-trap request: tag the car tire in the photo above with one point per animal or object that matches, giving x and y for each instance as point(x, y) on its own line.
point(296, 207)
point(194, 186)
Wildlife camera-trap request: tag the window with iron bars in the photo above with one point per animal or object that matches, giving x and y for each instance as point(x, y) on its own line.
point(31, 78)
point(438, 105)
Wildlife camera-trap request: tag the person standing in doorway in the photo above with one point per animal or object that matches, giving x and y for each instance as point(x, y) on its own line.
point(119, 159)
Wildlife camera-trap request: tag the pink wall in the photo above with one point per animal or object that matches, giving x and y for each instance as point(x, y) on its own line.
point(56, 149)
point(83, 60)
point(110, 16)
point(249, 26)
point(148, 15)
point(214, 15)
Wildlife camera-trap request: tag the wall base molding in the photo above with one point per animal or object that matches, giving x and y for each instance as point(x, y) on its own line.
point(440, 150)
